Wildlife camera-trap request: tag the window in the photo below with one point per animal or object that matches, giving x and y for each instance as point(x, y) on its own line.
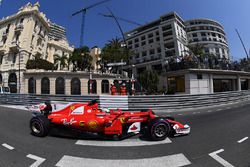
point(195, 35)
point(168, 27)
point(143, 38)
point(60, 86)
point(158, 39)
point(168, 33)
point(130, 42)
point(1, 59)
point(136, 40)
point(204, 39)
point(213, 34)
point(158, 50)
point(45, 86)
point(105, 86)
point(14, 58)
point(12, 83)
point(150, 35)
point(199, 76)
point(32, 85)
point(144, 53)
point(75, 86)
point(157, 33)
point(136, 45)
point(151, 41)
point(152, 51)
point(137, 55)
point(143, 43)
point(203, 34)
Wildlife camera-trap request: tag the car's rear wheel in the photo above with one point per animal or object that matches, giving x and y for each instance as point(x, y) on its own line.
point(39, 126)
point(159, 130)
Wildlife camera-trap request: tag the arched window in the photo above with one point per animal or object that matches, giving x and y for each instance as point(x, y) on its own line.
point(105, 86)
point(93, 86)
point(32, 85)
point(75, 86)
point(1, 79)
point(45, 86)
point(13, 83)
point(60, 86)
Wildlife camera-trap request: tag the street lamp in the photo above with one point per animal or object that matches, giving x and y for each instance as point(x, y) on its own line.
point(19, 67)
point(133, 81)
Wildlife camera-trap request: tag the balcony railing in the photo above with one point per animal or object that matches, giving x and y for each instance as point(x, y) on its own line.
point(19, 27)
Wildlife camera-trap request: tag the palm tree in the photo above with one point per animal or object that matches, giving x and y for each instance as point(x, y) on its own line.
point(60, 61)
point(196, 53)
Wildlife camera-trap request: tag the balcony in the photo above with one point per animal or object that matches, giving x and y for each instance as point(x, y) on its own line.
point(19, 28)
point(14, 45)
point(5, 34)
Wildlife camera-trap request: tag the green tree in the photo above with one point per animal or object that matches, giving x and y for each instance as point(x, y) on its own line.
point(149, 81)
point(196, 54)
point(113, 51)
point(61, 61)
point(81, 59)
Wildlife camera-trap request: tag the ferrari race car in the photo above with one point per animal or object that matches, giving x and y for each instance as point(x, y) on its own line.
point(87, 117)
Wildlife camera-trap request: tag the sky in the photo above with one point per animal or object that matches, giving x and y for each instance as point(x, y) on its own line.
point(99, 30)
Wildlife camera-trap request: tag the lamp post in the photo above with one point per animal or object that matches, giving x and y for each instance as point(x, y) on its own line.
point(133, 81)
point(90, 82)
point(19, 67)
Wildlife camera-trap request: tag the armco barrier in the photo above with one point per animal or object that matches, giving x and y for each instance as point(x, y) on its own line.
point(135, 103)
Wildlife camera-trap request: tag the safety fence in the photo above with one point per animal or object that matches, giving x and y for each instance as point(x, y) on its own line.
point(156, 102)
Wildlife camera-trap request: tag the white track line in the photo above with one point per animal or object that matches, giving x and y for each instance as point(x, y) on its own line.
point(218, 109)
point(38, 162)
point(176, 160)
point(123, 143)
point(219, 159)
point(209, 111)
point(8, 146)
point(242, 140)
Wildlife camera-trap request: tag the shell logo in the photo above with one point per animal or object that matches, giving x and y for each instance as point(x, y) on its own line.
point(93, 124)
point(123, 120)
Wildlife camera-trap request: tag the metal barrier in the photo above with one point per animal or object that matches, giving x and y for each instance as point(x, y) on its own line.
point(133, 102)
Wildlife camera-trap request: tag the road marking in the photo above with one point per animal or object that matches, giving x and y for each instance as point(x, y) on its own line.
point(180, 114)
point(209, 111)
point(228, 108)
point(218, 109)
point(242, 140)
point(8, 146)
point(123, 143)
point(176, 160)
point(219, 159)
point(38, 162)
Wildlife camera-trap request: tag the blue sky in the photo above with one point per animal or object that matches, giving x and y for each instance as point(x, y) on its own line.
point(98, 30)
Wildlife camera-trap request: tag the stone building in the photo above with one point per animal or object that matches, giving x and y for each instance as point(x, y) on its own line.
point(25, 35)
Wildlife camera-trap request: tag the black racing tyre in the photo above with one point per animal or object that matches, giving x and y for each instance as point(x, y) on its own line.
point(159, 129)
point(39, 126)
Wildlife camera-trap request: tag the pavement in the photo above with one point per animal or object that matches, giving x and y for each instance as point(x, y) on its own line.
point(219, 137)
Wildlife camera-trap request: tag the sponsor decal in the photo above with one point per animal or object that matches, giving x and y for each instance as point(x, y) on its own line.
point(81, 123)
point(93, 124)
point(89, 111)
point(135, 127)
point(78, 111)
point(70, 122)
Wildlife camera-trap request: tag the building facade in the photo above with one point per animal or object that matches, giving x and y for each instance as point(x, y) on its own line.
point(210, 34)
point(168, 37)
point(24, 36)
point(154, 43)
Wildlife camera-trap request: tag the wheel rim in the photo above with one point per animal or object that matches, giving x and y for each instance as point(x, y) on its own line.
point(36, 127)
point(160, 131)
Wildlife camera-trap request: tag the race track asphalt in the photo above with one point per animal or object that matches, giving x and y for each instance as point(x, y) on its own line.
point(219, 137)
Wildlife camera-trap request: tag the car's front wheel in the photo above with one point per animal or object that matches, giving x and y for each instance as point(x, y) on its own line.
point(159, 130)
point(39, 126)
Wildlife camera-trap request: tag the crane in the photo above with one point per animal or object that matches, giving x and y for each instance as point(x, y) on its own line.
point(84, 11)
point(242, 43)
point(122, 19)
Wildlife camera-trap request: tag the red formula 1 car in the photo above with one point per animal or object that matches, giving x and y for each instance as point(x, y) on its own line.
point(86, 117)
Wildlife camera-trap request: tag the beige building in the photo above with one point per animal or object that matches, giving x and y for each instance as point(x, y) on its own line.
point(23, 36)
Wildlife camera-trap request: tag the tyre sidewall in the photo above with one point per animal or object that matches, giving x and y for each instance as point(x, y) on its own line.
point(43, 124)
point(154, 124)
